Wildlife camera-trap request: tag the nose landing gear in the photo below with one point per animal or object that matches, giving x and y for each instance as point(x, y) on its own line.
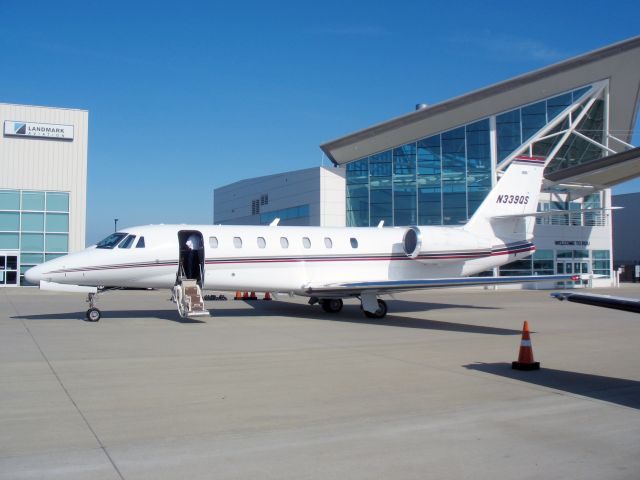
point(93, 314)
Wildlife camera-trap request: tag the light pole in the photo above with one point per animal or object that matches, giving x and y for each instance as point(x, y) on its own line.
point(115, 224)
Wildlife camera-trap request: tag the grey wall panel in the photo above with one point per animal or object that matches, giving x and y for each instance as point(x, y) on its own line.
point(626, 241)
point(316, 187)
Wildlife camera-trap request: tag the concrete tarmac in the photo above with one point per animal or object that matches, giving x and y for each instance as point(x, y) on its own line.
point(282, 390)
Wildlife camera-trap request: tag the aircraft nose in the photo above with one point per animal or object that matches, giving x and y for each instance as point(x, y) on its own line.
point(34, 275)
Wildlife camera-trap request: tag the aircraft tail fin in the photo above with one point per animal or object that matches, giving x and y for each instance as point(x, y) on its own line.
point(507, 211)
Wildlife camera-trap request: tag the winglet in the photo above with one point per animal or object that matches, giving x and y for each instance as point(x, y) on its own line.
point(275, 222)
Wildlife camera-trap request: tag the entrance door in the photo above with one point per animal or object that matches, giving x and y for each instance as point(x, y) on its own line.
point(9, 270)
point(572, 267)
point(191, 258)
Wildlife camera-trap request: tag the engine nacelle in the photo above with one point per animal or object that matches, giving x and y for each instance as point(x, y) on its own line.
point(412, 242)
point(443, 244)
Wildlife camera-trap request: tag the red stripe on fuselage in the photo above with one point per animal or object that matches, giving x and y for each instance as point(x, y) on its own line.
point(435, 256)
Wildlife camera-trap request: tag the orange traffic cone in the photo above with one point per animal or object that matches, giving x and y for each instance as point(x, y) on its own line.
point(238, 295)
point(245, 296)
point(267, 296)
point(525, 357)
point(253, 296)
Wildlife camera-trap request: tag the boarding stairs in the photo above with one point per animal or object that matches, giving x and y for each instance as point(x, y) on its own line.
point(188, 296)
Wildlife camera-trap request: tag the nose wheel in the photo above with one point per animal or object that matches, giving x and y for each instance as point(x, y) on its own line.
point(93, 314)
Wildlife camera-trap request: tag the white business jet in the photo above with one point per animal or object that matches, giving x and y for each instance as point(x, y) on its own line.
point(325, 264)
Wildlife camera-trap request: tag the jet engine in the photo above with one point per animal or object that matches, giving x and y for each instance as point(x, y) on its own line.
point(412, 242)
point(443, 244)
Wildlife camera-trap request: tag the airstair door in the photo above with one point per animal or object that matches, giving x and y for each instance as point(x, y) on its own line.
point(191, 260)
point(187, 292)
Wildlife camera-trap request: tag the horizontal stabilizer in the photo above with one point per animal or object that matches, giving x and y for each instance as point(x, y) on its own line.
point(60, 287)
point(553, 213)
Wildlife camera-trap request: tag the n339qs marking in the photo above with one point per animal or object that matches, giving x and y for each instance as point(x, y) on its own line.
point(519, 199)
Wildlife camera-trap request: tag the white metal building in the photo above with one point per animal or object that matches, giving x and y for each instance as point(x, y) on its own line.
point(43, 160)
point(313, 196)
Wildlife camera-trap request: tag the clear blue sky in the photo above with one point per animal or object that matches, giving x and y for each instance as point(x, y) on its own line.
point(187, 96)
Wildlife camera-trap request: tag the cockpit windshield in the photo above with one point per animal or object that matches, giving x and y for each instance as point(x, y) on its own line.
point(111, 241)
point(127, 242)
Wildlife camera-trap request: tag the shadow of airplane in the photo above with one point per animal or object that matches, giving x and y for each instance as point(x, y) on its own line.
point(353, 314)
point(171, 315)
point(404, 306)
point(609, 389)
point(350, 314)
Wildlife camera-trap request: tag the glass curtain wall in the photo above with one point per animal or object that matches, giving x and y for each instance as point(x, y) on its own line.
point(438, 180)
point(404, 185)
point(479, 173)
point(358, 193)
point(298, 215)
point(566, 262)
point(442, 179)
point(429, 181)
point(36, 224)
point(454, 177)
point(381, 189)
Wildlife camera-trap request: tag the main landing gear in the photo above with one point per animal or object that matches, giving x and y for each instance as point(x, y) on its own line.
point(331, 305)
point(334, 305)
point(93, 314)
point(380, 313)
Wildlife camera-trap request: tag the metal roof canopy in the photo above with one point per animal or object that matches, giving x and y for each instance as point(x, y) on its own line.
point(601, 173)
point(617, 63)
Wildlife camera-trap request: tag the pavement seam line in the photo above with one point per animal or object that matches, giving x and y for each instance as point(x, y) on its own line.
point(73, 402)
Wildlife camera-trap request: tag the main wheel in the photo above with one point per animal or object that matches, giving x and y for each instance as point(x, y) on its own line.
point(93, 314)
point(380, 313)
point(331, 305)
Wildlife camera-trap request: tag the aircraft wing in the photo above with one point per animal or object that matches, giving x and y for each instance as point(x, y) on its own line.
point(396, 286)
point(607, 301)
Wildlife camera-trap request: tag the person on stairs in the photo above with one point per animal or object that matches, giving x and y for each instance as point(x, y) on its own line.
point(192, 260)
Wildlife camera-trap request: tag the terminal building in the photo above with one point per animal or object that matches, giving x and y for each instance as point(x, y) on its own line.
point(313, 196)
point(43, 160)
point(435, 165)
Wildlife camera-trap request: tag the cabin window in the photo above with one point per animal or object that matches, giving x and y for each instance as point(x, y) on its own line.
point(237, 242)
point(262, 242)
point(127, 242)
point(140, 243)
point(213, 242)
point(327, 242)
point(306, 243)
point(284, 242)
point(354, 243)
